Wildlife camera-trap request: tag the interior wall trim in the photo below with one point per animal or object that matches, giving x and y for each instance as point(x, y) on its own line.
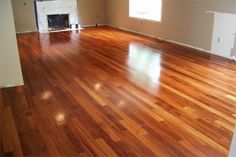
point(171, 41)
point(92, 25)
point(23, 32)
point(9, 86)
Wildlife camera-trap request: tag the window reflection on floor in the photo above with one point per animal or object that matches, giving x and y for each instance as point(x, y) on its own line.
point(145, 66)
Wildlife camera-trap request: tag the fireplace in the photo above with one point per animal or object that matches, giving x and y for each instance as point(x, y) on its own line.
point(56, 15)
point(58, 21)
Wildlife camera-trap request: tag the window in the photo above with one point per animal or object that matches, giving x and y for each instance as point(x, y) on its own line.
point(146, 9)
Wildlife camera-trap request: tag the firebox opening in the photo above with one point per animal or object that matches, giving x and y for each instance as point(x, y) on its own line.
point(58, 21)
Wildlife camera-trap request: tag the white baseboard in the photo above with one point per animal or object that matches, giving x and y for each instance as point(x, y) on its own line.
point(171, 41)
point(63, 30)
point(93, 25)
point(8, 86)
point(197, 48)
point(102, 24)
point(80, 28)
point(29, 31)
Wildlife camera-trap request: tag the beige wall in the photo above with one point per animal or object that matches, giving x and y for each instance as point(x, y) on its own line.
point(184, 21)
point(92, 12)
point(24, 15)
point(10, 69)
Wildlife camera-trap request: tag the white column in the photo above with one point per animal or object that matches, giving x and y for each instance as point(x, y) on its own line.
point(232, 152)
point(10, 68)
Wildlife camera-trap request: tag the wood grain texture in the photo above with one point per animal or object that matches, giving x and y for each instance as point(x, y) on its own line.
point(106, 92)
point(10, 144)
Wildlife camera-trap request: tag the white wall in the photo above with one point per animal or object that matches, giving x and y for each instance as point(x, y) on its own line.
point(10, 68)
point(90, 12)
point(184, 21)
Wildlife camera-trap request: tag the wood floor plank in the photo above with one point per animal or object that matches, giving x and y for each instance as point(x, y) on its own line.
point(10, 140)
point(106, 92)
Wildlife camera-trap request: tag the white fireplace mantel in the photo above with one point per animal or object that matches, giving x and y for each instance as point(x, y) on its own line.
point(51, 7)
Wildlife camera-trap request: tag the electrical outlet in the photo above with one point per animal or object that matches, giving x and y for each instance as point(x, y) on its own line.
point(219, 40)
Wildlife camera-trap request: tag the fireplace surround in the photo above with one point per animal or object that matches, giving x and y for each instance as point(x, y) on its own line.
point(56, 15)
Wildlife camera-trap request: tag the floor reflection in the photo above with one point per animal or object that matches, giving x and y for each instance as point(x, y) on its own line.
point(60, 118)
point(145, 67)
point(55, 45)
point(46, 95)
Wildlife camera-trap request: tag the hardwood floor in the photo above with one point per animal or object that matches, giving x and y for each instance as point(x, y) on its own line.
point(106, 92)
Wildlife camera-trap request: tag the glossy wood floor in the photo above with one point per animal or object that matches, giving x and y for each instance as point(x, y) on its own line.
point(105, 92)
